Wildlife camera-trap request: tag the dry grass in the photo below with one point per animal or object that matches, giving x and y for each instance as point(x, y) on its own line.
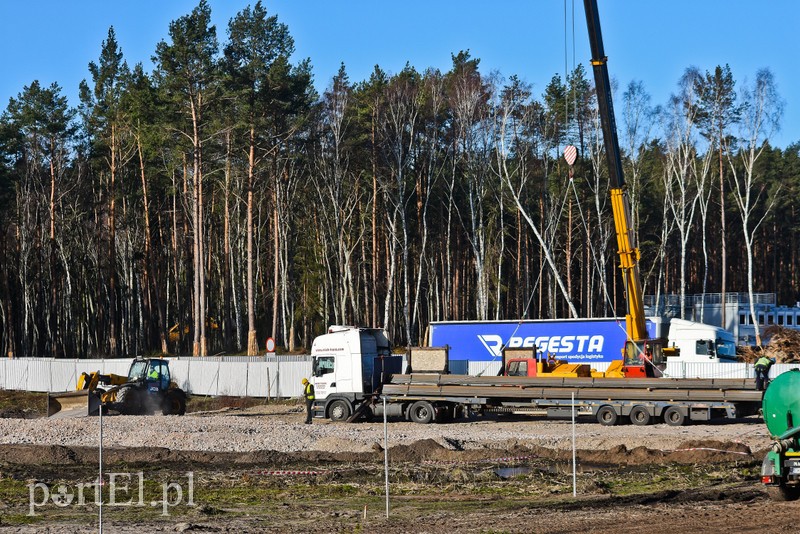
point(199, 403)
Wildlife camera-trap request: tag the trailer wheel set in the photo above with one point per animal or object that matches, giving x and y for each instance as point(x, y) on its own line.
point(429, 411)
point(642, 416)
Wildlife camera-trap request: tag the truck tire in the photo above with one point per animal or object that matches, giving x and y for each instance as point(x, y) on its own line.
point(174, 403)
point(607, 416)
point(129, 401)
point(640, 416)
point(674, 417)
point(783, 493)
point(422, 412)
point(339, 410)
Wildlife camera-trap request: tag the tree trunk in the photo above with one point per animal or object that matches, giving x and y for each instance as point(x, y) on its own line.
point(252, 340)
point(723, 249)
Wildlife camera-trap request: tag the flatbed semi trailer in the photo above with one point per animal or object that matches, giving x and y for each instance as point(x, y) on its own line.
point(609, 400)
point(354, 371)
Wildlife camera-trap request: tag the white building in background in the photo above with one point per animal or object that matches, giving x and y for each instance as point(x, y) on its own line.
point(708, 308)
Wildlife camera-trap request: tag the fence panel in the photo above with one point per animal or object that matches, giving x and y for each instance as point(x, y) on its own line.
point(64, 375)
point(721, 370)
point(39, 375)
point(16, 374)
point(117, 367)
point(179, 372)
point(233, 379)
point(203, 377)
point(707, 370)
point(289, 376)
point(781, 368)
point(484, 368)
point(262, 379)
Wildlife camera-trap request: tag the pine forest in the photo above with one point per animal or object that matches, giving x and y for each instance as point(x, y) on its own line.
point(220, 199)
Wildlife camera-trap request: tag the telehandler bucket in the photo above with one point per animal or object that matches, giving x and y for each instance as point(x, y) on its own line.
point(72, 404)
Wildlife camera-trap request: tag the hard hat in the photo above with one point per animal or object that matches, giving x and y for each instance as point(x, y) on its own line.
point(304, 381)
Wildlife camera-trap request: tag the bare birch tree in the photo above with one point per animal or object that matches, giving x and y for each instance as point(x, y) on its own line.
point(761, 112)
point(680, 185)
point(638, 120)
point(511, 154)
point(338, 191)
point(434, 95)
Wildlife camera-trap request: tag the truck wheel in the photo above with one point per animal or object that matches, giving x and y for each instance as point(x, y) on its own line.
point(128, 401)
point(339, 410)
point(422, 412)
point(174, 403)
point(607, 416)
point(674, 417)
point(640, 416)
point(783, 493)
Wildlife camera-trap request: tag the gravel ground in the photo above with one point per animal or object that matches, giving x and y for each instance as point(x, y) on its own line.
point(280, 428)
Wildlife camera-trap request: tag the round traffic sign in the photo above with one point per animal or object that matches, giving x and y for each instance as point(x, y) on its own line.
point(270, 345)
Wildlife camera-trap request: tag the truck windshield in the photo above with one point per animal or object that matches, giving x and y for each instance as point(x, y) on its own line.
point(518, 368)
point(137, 370)
point(322, 365)
point(652, 350)
point(726, 349)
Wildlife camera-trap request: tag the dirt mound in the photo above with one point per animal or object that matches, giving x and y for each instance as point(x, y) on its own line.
point(689, 452)
point(426, 449)
point(36, 454)
point(743, 493)
point(695, 451)
point(423, 451)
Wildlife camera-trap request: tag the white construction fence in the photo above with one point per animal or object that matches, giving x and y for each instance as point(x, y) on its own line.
point(242, 377)
point(278, 377)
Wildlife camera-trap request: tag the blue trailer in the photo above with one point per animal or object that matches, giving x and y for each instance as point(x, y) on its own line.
point(575, 340)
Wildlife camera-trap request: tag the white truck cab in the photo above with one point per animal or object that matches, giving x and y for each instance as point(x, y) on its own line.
point(349, 364)
point(698, 342)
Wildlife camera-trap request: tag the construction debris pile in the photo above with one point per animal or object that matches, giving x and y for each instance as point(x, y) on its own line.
point(782, 344)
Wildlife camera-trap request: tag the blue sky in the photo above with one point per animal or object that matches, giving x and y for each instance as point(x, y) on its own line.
point(54, 40)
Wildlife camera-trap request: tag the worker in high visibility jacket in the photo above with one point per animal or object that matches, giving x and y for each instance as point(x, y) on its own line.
point(762, 372)
point(308, 393)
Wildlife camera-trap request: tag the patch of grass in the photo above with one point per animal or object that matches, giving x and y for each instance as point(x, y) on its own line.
point(19, 519)
point(668, 477)
point(339, 497)
point(14, 493)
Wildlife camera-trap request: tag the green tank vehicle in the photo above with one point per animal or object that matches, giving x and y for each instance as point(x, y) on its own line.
point(780, 471)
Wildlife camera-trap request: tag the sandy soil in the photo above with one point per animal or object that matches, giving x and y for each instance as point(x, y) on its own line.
point(246, 446)
point(280, 428)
